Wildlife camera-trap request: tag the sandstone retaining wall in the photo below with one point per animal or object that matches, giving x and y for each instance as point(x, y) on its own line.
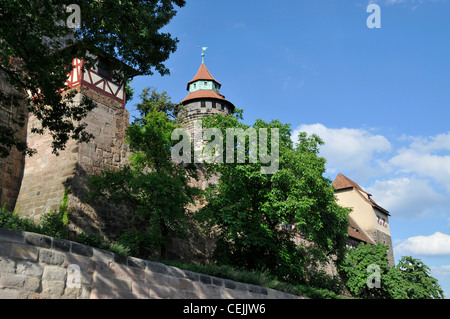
point(35, 266)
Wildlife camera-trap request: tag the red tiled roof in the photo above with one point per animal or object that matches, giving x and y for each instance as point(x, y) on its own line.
point(343, 182)
point(202, 74)
point(204, 94)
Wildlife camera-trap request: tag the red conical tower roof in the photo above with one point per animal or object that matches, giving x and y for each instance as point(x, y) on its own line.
point(203, 74)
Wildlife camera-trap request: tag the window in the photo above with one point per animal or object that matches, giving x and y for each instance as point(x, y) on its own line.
point(202, 104)
point(104, 68)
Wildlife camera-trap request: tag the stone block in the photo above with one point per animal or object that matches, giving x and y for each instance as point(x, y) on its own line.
point(82, 249)
point(10, 235)
point(97, 293)
point(26, 252)
point(72, 293)
point(164, 292)
point(51, 257)
point(109, 282)
point(136, 262)
point(186, 284)
point(38, 240)
point(192, 275)
point(129, 295)
point(85, 263)
point(61, 244)
point(7, 265)
point(32, 284)
point(8, 293)
point(29, 269)
point(53, 287)
point(157, 267)
point(155, 278)
point(205, 279)
point(54, 273)
point(102, 255)
point(12, 280)
point(229, 284)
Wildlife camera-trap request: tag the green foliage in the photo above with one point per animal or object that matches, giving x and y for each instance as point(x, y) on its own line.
point(249, 206)
point(153, 187)
point(409, 279)
point(36, 52)
point(91, 240)
point(11, 220)
point(151, 100)
point(55, 224)
point(355, 270)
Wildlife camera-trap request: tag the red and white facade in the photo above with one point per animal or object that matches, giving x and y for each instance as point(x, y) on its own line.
point(94, 80)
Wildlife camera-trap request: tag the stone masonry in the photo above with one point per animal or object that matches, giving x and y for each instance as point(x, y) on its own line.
point(46, 176)
point(34, 266)
point(11, 167)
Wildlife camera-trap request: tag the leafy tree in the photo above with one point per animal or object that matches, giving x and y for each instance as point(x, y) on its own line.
point(362, 266)
point(153, 187)
point(249, 207)
point(37, 47)
point(409, 279)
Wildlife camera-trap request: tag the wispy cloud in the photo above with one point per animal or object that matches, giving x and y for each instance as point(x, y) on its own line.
point(349, 149)
point(410, 177)
point(437, 244)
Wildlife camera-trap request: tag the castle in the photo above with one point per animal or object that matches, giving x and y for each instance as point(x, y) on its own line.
point(35, 185)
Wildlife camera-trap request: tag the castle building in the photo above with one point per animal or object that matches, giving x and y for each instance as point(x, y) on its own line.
point(368, 221)
point(204, 99)
point(35, 185)
point(45, 176)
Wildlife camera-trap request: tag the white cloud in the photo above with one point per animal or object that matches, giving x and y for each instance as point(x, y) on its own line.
point(442, 271)
point(412, 181)
point(409, 197)
point(348, 149)
point(437, 244)
point(426, 157)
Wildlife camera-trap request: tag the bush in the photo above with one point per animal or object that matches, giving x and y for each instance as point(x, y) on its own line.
point(11, 220)
point(55, 224)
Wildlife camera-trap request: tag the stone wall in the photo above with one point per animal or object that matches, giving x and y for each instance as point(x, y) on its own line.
point(11, 167)
point(34, 266)
point(47, 176)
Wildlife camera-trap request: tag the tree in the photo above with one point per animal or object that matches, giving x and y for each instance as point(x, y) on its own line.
point(410, 279)
point(365, 269)
point(368, 264)
point(37, 46)
point(152, 186)
point(249, 206)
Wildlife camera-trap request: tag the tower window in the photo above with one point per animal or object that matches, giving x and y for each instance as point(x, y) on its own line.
point(104, 69)
point(202, 104)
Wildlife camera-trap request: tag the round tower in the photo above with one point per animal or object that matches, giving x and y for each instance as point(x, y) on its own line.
point(204, 99)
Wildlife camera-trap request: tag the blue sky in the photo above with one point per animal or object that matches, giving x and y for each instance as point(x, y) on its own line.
point(379, 98)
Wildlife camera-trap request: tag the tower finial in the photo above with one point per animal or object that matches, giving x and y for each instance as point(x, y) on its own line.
point(203, 53)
